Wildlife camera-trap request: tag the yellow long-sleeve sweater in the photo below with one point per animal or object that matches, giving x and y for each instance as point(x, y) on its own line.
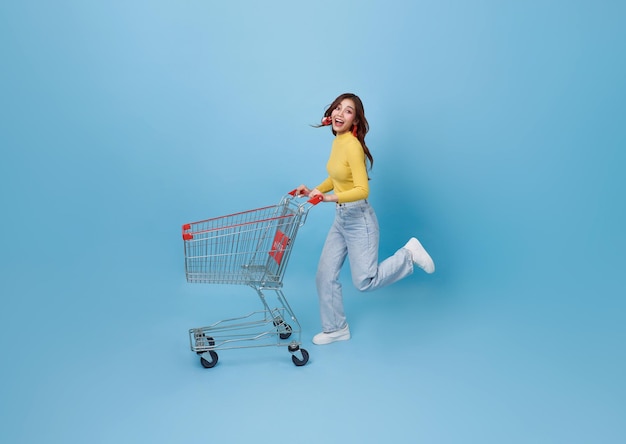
point(347, 172)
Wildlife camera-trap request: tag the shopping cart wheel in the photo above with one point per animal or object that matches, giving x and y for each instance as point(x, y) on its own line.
point(206, 363)
point(287, 327)
point(201, 340)
point(297, 361)
point(287, 333)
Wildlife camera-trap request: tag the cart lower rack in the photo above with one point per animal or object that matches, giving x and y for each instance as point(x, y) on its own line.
point(248, 248)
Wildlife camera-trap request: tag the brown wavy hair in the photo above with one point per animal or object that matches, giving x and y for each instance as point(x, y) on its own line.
point(361, 122)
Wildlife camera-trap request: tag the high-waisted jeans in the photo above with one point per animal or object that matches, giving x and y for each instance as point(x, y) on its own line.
point(354, 234)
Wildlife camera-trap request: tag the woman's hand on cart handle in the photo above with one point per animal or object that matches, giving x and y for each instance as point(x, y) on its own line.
point(302, 190)
point(316, 196)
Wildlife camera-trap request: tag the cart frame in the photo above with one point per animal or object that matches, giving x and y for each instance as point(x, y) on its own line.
point(249, 248)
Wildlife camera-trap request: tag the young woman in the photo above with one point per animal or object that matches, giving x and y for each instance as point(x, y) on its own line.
point(354, 232)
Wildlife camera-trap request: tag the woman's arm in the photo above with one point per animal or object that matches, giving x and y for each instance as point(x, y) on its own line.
point(360, 181)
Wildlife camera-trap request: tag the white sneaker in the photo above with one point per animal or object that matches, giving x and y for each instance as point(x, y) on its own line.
point(327, 338)
point(420, 256)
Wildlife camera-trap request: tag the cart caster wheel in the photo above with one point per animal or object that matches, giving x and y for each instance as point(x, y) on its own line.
point(209, 340)
point(286, 334)
point(287, 327)
point(209, 364)
point(303, 361)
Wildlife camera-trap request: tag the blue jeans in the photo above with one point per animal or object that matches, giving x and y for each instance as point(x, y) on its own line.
point(354, 234)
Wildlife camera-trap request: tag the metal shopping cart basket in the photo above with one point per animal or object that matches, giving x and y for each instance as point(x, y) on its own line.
point(248, 248)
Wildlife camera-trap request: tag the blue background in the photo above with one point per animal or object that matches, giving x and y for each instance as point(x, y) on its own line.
point(498, 134)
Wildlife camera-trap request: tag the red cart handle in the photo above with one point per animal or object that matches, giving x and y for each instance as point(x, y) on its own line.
point(313, 201)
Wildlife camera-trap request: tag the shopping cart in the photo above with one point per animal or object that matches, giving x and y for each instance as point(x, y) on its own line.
point(248, 248)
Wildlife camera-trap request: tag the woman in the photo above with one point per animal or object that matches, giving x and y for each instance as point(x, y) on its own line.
point(354, 232)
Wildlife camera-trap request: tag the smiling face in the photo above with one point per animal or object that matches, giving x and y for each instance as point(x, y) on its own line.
point(343, 116)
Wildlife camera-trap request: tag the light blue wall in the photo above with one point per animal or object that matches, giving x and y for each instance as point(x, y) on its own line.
point(498, 134)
